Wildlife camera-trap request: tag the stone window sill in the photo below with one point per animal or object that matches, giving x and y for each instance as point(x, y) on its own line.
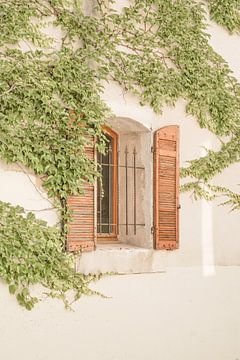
point(118, 258)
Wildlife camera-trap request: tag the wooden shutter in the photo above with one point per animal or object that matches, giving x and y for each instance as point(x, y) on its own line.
point(82, 226)
point(166, 188)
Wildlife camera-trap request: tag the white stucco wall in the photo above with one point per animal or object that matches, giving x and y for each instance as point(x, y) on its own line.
point(178, 315)
point(19, 186)
point(188, 311)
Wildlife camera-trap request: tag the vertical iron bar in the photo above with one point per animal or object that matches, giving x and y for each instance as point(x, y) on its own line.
point(134, 192)
point(126, 173)
point(109, 187)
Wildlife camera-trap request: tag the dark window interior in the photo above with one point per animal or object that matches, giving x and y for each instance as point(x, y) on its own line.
point(105, 190)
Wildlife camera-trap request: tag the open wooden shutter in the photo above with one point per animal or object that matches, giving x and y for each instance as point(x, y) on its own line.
point(82, 226)
point(166, 188)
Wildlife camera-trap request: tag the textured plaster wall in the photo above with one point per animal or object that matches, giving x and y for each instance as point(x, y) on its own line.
point(141, 142)
point(178, 315)
point(19, 186)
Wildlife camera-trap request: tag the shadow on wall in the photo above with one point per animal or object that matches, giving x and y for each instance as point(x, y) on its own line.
point(207, 238)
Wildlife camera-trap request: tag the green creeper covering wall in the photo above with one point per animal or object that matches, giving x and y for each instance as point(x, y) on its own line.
point(156, 49)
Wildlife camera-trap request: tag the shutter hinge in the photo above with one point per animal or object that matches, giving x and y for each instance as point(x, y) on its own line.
point(152, 149)
point(152, 230)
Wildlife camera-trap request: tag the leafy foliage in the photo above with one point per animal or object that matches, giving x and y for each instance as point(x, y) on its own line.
point(37, 107)
point(232, 199)
point(50, 93)
point(31, 253)
point(226, 13)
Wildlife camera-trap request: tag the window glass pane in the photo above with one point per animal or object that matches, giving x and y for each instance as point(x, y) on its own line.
point(105, 190)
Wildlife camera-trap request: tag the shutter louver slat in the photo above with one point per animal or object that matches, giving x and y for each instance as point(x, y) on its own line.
point(82, 228)
point(166, 188)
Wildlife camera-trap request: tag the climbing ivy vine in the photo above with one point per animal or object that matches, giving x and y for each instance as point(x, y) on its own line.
point(50, 99)
point(226, 13)
point(30, 253)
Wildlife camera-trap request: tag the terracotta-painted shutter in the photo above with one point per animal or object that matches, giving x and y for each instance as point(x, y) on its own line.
point(166, 188)
point(82, 226)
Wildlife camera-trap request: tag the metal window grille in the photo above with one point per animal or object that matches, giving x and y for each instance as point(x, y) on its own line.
point(130, 163)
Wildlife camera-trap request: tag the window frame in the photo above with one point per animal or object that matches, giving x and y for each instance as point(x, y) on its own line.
point(102, 238)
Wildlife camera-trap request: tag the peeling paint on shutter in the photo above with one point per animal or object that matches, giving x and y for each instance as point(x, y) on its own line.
point(82, 226)
point(166, 188)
